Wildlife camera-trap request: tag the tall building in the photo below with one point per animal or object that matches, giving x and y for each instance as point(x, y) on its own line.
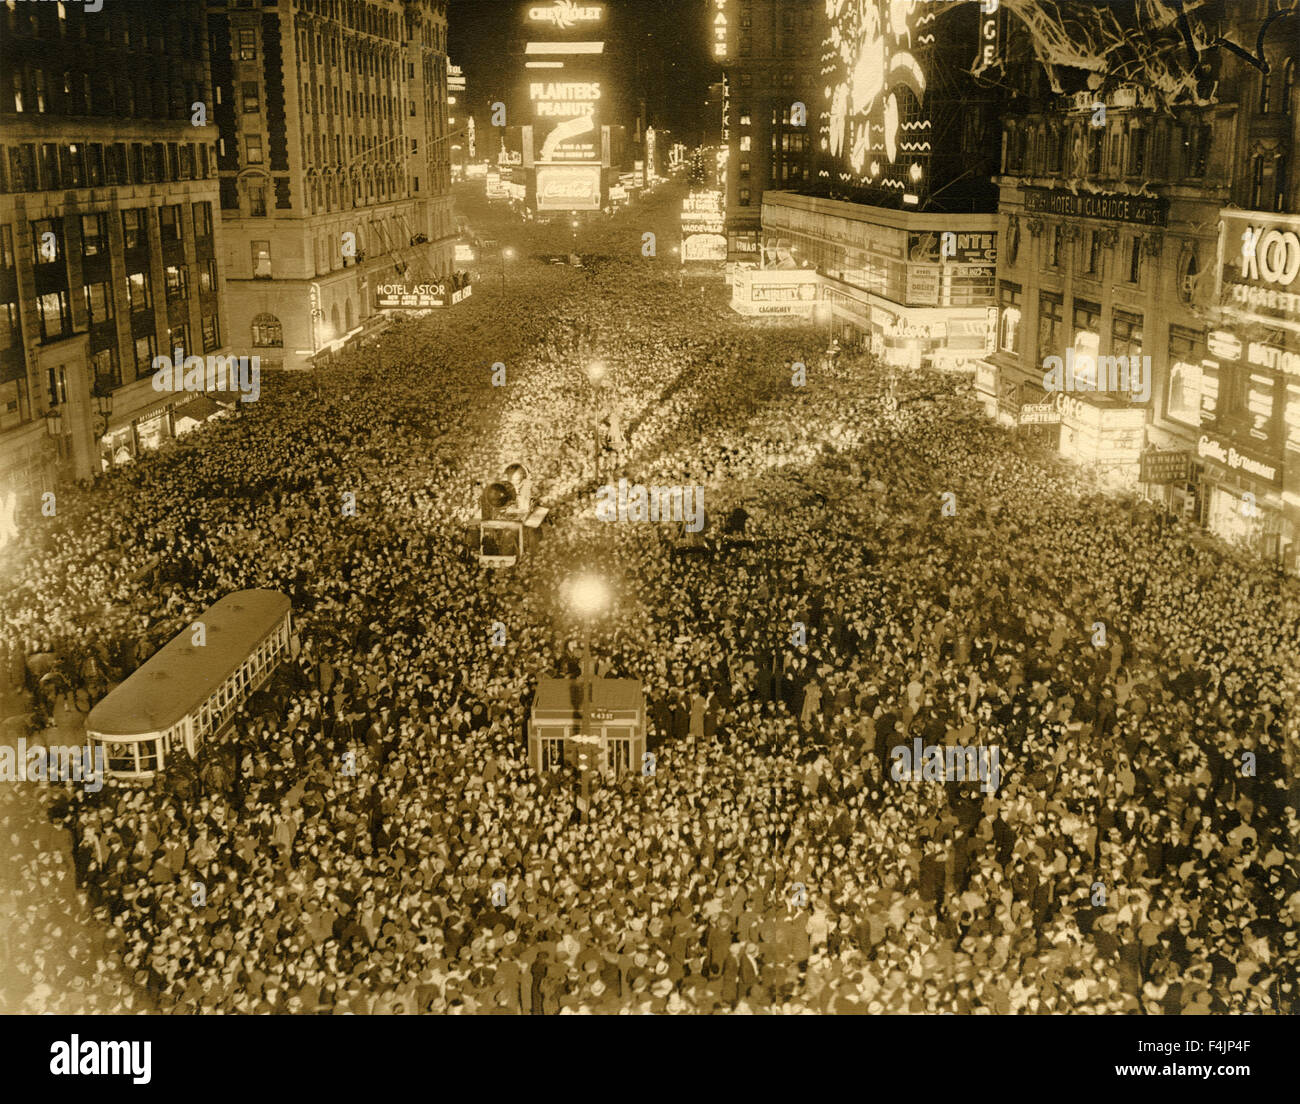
point(334, 163)
point(861, 147)
point(1156, 218)
point(109, 237)
point(571, 102)
point(770, 51)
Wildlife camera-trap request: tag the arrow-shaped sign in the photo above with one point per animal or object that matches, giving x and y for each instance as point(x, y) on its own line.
point(562, 133)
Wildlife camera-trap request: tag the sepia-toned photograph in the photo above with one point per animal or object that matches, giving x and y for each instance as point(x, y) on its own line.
point(650, 507)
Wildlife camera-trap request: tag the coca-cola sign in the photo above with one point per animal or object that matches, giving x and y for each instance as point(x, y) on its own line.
point(568, 188)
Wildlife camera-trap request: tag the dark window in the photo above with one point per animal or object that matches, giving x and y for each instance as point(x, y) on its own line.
point(145, 348)
point(203, 220)
point(169, 223)
point(6, 247)
point(207, 276)
point(47, 241)
point(1135, 259)
point(94, 234)
point(139, 295)
point(54, 314)
point(211, 333)
point(247, 46)
point(252, 101)
point(99, 303)
point(1125, 334)
point(178, 282)
point(1049, 326)
point(133, 228)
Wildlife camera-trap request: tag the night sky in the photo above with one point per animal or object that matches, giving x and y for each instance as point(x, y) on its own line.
point(668, 42)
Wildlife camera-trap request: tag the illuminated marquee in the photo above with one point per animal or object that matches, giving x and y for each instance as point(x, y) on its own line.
point(1260, 275)
point(873, 130)
point(564, 100)
point(565, 14)
point(568, 188)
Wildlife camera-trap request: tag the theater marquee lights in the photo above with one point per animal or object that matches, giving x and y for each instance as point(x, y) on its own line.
point(721, 25)
point(874, 130)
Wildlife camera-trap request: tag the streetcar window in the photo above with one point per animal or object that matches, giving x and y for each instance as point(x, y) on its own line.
point(148, 755)
point(120, 757)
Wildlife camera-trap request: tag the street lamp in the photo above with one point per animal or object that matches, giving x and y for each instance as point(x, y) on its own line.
point(103, 404)
point(588, 596)
point(506, 255)
point(596, 372)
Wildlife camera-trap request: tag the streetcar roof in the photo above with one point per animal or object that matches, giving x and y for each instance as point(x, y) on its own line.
point(179, 677)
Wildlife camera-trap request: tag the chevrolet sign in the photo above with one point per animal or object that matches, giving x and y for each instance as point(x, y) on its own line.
point(565, 14)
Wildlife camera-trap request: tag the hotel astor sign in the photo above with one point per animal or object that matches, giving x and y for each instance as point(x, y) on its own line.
point(1111, 206)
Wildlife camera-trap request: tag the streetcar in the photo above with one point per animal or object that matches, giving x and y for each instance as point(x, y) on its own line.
point(190, 690)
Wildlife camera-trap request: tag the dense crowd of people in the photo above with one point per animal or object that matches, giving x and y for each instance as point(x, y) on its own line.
point(369, 836)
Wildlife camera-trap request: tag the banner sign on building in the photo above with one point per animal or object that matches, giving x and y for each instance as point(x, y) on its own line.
point(1113, 207)
point(953, 248)
point(765, 293)
point(1039, 414)
point(988, 37)
point(568, 188)
point(1213, 448)
point(1166, 466)
point(922, 285)
point(440, 293)
point(1259, 268)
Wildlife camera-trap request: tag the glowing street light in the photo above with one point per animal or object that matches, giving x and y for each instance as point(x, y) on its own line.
point(596, 372)
point(507, 254)
point(588, 596)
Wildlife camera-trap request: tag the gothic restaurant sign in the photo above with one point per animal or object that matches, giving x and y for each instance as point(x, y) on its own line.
point(1111, 206)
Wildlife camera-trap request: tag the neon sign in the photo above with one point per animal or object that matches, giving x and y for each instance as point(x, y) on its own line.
point(565, 14)
point(873, 127)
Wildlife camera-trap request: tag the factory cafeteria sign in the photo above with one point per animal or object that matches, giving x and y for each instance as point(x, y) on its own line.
point(1112, 207)
point(1039, 414)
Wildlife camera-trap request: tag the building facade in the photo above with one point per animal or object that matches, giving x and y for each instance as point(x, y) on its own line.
point(888, 280)
point(770, 51)
point(109, 237)
point(334, 161)
point(1166, 232)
